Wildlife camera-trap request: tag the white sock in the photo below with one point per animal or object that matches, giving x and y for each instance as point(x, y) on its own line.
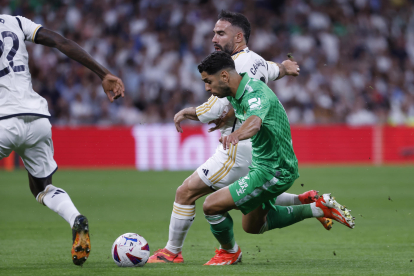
point(182, 218)
point(233, 250)
point(316, 211)
point(287, 199)
point(59, 201)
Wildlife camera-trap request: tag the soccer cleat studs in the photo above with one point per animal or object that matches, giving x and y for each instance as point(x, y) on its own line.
point(81, 246)
point(332, 209)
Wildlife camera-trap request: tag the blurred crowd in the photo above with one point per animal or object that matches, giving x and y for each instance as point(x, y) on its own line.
point(356, 57)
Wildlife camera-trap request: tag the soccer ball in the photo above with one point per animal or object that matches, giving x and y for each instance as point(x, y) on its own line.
point(130, 249)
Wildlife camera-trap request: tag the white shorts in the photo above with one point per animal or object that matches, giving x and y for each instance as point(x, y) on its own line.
point(225, 167)
point(31, 138)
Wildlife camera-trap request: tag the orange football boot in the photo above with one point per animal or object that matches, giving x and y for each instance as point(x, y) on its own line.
point(326, 222)
point(223, 257)
point(81, 246)
point(333, 210)
point(312, 196)
point(165, 256)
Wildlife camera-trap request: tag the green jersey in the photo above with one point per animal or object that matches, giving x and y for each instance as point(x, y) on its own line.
point(272, 145)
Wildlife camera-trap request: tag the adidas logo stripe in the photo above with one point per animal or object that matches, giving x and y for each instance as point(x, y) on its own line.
point(58, 192)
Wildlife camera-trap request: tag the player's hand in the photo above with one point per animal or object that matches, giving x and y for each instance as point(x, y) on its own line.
point(291, 67)
point(178, 118)
point(111, 83)
point(227, 140)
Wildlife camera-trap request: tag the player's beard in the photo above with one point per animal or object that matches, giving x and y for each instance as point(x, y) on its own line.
point(228, 48)
point(224, 89)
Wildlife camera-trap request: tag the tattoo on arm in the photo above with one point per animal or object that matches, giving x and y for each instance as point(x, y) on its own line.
point(71, 49)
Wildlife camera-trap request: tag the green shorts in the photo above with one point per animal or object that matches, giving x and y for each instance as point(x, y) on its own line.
point(256, 190)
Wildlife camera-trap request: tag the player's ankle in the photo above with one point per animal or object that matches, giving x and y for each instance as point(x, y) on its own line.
point(233, 249)
point(316, 211)
point(173, 249)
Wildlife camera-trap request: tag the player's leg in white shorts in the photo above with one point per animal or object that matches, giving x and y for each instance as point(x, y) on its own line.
point(222, 169)
point(31, 138)
point(226, 166)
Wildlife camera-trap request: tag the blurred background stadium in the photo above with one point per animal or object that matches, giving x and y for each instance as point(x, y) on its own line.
point(352, 103)
point(356, 57)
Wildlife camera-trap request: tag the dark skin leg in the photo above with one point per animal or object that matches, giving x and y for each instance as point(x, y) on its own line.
point(38, 185)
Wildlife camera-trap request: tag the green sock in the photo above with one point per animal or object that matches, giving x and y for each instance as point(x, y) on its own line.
point(222, 228)
point(285, 216)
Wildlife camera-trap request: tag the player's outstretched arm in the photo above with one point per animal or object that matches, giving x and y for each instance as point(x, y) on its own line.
point(248, 129)
point(288, 68)
point(277, 71)
point(74, 51)
point(186, 113)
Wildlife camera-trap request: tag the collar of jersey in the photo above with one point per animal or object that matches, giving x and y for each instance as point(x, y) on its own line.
point(245, 49)
point(242, 85)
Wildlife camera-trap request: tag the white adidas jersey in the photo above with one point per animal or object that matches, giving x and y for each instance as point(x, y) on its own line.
point(255, 66)
point(17, 96)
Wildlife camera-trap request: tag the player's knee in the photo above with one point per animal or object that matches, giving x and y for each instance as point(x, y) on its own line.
point(188, 192)
point(183, 194)
point(208, 207)
point(181, 191)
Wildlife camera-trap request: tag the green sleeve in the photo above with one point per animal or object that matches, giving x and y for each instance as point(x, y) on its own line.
point(256, 103)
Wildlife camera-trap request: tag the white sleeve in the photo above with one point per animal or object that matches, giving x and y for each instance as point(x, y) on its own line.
point(211, 110)
point(272, 70)
point(29, 28)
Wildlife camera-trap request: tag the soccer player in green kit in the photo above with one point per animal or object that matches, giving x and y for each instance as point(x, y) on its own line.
point(274, 165)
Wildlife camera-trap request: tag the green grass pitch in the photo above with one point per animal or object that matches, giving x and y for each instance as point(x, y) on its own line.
point(36, 241)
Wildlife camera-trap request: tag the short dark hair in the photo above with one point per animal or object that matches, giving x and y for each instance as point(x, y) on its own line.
point(215, 62)
point(237, 19)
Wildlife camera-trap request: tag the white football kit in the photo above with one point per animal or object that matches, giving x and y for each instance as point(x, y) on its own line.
point(227, 166)
point(24, 126)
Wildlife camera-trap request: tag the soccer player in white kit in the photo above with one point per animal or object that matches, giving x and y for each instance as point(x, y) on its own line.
point(232, 32)
point(24, 124)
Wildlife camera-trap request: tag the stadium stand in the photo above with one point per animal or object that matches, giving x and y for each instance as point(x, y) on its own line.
point(356, 57)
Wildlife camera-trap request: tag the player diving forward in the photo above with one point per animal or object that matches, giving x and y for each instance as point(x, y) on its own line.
point(24, 124)
point(274, 165)
point(232, 32)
